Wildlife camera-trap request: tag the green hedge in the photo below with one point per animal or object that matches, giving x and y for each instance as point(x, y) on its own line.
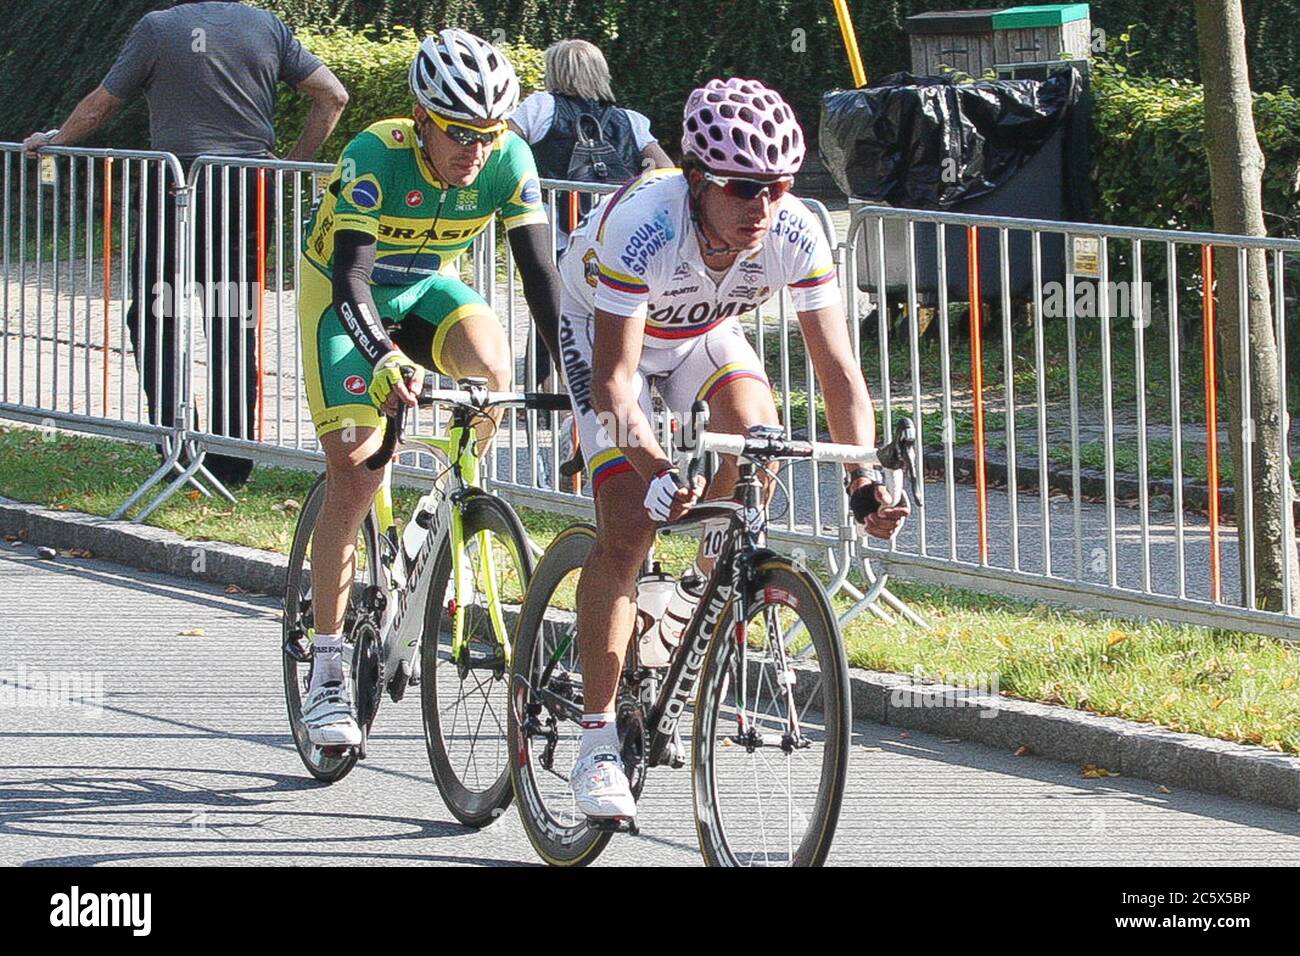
point(1149, 164)
point(374, 72)
point(1148, 158)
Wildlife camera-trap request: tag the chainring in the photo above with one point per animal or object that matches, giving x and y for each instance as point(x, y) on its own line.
point(367, 671)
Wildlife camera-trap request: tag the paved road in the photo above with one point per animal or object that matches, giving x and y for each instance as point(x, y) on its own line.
point(190, 762)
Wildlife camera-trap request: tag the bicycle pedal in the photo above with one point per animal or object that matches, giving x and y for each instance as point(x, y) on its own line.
point(614, 825)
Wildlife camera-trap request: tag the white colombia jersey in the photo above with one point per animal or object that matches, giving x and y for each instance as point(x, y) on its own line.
point(638, 256)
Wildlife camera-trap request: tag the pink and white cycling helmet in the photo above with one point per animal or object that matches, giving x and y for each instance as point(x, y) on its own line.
point(740, 126)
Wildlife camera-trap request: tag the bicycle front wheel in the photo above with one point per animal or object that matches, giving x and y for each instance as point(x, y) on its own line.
point(770, 754)
point(463, 679)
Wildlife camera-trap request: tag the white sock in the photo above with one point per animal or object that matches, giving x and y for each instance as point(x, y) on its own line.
point(599, 733)
point(327, 652)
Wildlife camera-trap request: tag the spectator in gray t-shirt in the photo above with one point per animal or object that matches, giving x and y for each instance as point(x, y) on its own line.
point(209, 72)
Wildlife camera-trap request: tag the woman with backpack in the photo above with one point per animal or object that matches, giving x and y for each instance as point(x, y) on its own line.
point(576, 131)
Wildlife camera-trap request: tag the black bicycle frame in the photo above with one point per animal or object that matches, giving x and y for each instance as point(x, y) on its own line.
point(729, 582)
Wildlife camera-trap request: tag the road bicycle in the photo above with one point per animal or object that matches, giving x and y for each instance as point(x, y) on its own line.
point(762, 658)
point(432, 606)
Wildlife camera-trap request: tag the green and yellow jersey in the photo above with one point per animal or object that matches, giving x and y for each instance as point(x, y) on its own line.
point(384, 187)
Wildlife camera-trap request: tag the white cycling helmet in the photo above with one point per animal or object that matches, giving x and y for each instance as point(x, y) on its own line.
point(457, 74)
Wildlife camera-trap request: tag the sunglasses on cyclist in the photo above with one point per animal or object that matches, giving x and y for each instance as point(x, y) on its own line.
point(462, 134)
point(738, 187)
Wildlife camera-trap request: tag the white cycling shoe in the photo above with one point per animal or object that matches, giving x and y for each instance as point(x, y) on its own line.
point(600, 786)
point(327, 712)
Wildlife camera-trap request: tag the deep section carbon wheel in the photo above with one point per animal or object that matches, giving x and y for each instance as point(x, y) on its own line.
point(463, 688)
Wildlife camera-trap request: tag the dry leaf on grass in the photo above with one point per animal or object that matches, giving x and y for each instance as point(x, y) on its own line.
point(194, 494)
point(1116, 637)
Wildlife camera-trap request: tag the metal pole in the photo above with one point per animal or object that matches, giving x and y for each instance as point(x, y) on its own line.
point(941, 252)
point(1140, 319)
point(1040, 376)
point(1072, 331)
point(1176, 417)
point(108, 268)
point(1244, 482)
point(1009, 392)
point(1108, 417)
point(914, 344)
point(977, 387)
point(1211, 419)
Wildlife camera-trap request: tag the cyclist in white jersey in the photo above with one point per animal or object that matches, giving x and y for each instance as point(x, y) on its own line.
point(653, 284)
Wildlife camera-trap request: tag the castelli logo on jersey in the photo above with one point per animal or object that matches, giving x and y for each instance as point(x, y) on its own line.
point(355, 384)
point(399, 136)
point(414, 198)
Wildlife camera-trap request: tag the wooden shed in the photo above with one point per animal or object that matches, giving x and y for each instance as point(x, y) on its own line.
point(976, 41)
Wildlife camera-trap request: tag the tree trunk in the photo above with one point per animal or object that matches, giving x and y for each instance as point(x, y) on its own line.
point(1236, 172)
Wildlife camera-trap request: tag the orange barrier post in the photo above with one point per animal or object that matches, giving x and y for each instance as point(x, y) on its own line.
point(1211, 419)
point(977, 384)
point(108, 269)
point(261, 306)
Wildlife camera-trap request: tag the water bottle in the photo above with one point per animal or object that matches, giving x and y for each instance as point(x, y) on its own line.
point(663, 617)
point(653, 593)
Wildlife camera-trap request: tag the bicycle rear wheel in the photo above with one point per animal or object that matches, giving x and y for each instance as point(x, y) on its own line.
point(768, 770)
point(546, 694)
point(298, 618)
point(463, 691)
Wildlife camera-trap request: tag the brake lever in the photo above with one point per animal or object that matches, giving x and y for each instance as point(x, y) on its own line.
point(689, 440)
point(902, 454)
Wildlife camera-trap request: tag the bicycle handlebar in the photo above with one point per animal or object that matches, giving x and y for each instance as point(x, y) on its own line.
point(899, 458)
point(472, 393)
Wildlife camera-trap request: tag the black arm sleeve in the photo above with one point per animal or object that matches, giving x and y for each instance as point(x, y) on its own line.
point(354, 260)
point(532, 251)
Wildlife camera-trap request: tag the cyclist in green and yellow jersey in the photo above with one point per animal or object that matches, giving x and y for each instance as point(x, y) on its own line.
point(380, 299)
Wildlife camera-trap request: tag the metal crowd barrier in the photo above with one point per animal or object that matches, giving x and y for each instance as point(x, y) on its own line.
point(1039, 535)
point(69, 273)
point(240, 225)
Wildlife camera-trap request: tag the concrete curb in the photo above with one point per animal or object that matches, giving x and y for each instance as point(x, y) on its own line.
point(1059, 733)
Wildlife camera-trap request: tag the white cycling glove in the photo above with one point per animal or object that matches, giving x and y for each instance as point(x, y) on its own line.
point(663, 489)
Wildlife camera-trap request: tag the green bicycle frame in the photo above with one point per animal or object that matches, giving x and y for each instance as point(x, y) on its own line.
point(459, 448)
